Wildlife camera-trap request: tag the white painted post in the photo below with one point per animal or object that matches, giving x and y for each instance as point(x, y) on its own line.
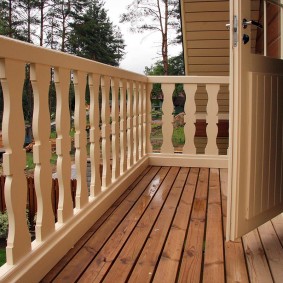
point(167, 118)
point(115, 129)
point(148, 118)
point(12, 75)
point(80, 139)
point(123, 126)
point(130, 137)
point(94, 134)
point(212, 119)
point(105, 132)
point(45, 222)
point(63, 144)
point(140, 119)
point(190, 118)
point(135, 120)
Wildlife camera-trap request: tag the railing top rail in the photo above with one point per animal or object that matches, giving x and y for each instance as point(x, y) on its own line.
point(29, 53)
point(189, 79)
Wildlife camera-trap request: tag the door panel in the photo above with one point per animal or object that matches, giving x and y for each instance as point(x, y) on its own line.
point(256, 149)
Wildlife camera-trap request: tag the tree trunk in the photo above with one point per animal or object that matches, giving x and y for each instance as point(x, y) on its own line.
point(41, 22)
point(10, 19)
point(165, 40)
point(29, 22)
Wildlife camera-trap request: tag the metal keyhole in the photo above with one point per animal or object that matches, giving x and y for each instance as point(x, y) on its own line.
point(246, 38)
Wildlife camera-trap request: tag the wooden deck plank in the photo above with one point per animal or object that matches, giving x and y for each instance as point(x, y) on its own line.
point(236, 270)
point(257, 264)
point(144, 268)
point(235, 265)
point(273, 250)
point(108, 253)
point(278, 226)
point(169, 262)
point(82, 259)
point(190, 270)
point(67, 258)
point(224, 192)
point(123, 263)
point(213, 270)
point(173, 234)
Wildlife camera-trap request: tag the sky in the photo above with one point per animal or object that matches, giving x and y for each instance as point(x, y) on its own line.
point(141, 49)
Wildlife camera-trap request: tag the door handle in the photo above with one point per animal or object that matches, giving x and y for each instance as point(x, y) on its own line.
point(251, 22)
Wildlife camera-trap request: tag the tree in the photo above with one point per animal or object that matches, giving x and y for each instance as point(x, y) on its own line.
point(27, 19)
point(63, 13)
point(93, 36)
point(9, 19)
point(175, 68)
point(43, 7)
point(157, 15)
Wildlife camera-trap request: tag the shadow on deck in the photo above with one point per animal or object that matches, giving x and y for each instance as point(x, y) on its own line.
point(169, 226)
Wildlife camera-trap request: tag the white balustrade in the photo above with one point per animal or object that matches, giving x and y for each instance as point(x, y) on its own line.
point(80, 138)
point(123, 126)
point(130, 143)
point(140, 120)
point(167, 118)
point(14, 163)
point(190, 118)
point(63, 143)
point(105, 131)
point(40, 79)
point(115, 129)
point(190, 85)
point(144, 121)
point(130, 148)
point(148, 118)
point(135, 122)
point(94, 132)
point(212, 119)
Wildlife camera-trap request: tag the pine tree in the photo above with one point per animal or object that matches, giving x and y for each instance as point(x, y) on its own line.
point(158, 15)
point(93, 36)
point(9, 19)
point(27, 19)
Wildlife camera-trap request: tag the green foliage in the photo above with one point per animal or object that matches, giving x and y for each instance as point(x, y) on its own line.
point(2, 256)
point(178, 137)
point(29, 161)
point(53, 159)
point(52, 100)
point(94, 37)
point(175, 68)
point(81, 27)
point(27, 96)
point(156, 114)
point(10, 26)
point(4, 225)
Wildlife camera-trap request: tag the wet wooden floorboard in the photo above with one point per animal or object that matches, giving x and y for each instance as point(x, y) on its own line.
point(169, 226)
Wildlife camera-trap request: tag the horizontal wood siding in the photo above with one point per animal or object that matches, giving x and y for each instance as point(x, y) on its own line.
point(206, 44)
point(205, 30)
point(273, 30)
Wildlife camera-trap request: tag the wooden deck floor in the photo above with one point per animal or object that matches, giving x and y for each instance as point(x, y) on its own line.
point(169, 226)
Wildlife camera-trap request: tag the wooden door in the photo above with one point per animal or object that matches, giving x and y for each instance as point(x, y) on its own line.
point(256, 119)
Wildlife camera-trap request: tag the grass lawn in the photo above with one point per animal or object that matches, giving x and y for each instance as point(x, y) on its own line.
point(178, 136)
point(2, 256)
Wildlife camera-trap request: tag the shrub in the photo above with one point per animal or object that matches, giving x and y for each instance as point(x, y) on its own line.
point(3, 225)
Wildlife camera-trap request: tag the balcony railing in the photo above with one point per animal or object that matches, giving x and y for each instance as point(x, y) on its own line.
point(119, 139)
